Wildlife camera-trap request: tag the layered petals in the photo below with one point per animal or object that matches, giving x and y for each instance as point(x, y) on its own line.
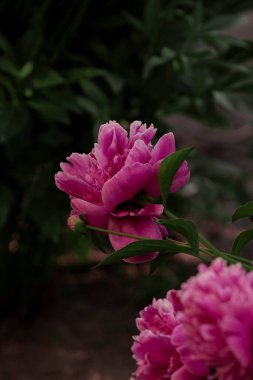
point(138, 153)
point(139, 131)
point(155, 356)
point(74, 186)
point(125, 184)
point(112, 138)
point(96, 215)
point(164, 147)
point(216, 322)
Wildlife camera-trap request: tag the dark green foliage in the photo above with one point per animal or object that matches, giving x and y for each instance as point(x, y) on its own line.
point(65, 67)
point(241, 240)
point(244, 211)
point(167, 170)
point(142, 247)
point(186, 228)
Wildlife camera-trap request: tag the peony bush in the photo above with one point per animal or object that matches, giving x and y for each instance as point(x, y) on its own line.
point(204, 330)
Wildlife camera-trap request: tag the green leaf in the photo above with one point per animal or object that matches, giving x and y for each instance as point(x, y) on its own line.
point(168, 168)
point(244, 211)
point(87, 105)
point(5, 46)
point(114, 81)
point(50, 111)
point(187, 229)
point(78, 74)
point(166, 56)
point(6, 201)
point(65, 99)
point(241, 240)
point(50, 79)
point(25, 70)
point(140, 248)
point(12, 120)
point(8, 67)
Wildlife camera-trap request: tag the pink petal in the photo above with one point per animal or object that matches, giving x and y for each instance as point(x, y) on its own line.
point(75, 187)
point(139, 153)
point(96, 215)
point(125, 184)
point(112, 138)
point(140, 226)
point(152, 209)
point(164, 147)
point(67, 168)
point(147, 210)
point(80, 163)
point(183, 374)
point(238, 338)
point(139, 131)
point(181, 178)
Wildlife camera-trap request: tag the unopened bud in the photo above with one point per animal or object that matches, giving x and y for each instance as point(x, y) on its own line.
point(75, 223)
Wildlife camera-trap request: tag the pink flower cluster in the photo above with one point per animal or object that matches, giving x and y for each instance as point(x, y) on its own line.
point(108, 184)
point(203, 331)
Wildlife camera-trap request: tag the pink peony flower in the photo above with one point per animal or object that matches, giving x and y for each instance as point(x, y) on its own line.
point(215, 327)
point(105, 185)
point(156, 356)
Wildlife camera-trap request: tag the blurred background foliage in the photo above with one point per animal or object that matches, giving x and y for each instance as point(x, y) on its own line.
point(65, 68)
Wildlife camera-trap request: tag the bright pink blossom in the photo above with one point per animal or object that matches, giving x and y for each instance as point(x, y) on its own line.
point(156, 356)
point(105, 185)
point(215, 330)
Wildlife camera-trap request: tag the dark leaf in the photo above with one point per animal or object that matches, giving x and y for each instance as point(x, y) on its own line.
point(49, 111)
point(168, 169)
point(187, 229)
point(243, 211)
point(166, 56)
point(241, 240)
point(142, 247)
point(50, 79)
point(12, 120)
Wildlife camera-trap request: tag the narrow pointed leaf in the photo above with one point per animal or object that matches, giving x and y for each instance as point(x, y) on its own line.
point(242, 239)
point(243, 211)
point(187, 229)
point(168, 168)
point(139, 248)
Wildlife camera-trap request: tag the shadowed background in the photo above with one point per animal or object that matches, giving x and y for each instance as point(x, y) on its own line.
point(65, 68)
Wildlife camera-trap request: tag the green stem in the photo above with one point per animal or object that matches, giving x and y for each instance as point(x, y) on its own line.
point(210, 249)
point(103, 230)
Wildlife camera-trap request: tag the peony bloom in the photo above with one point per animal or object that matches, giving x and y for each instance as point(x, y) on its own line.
point(107, 184)
point(215, 327)
point(156, 356)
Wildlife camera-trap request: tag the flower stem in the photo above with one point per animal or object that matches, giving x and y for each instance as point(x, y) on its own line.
point(110, 232)
point(209, 248)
